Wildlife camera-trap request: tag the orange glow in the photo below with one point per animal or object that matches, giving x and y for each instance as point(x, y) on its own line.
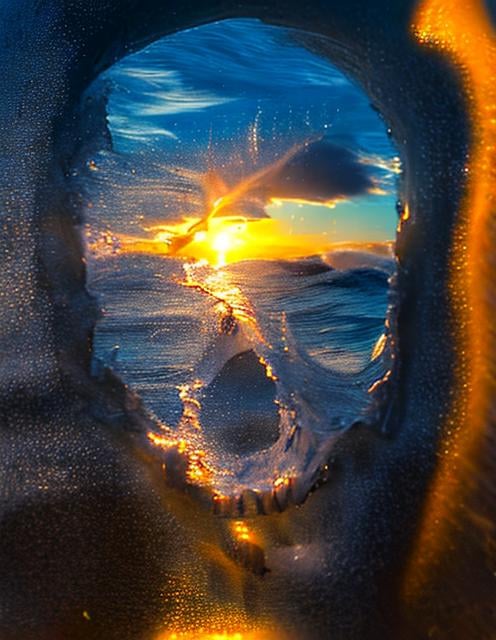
point(241, 532)
point(229, 297)
point(463, 31)
point(221, 635)
point(198, 470)
point(223, 236)
point(165, 442)
point(281, 482)
point(228, 239)
point(203, 466)
point(268, 369)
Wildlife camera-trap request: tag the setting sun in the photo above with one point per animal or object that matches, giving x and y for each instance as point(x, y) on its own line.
point(225, 240)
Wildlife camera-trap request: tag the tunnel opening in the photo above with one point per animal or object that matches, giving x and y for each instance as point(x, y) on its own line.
point(240, 238)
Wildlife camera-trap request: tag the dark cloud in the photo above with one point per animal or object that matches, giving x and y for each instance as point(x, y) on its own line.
point(320, 172)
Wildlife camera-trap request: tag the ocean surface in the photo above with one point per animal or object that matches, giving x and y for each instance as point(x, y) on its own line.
point(264, 349)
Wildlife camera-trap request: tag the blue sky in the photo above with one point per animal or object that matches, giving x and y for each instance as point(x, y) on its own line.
point(232, 97)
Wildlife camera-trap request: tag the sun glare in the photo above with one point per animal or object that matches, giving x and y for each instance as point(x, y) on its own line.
point(226, 240)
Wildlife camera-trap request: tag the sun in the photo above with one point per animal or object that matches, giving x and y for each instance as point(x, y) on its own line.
point(221, 240)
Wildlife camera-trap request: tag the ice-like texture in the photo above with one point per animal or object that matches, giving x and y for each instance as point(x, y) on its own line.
point(199, 116)
point(92, 544)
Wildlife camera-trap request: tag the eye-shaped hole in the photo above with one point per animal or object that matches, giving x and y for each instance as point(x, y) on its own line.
point(240, 235)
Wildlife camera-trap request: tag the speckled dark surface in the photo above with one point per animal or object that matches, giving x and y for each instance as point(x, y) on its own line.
point(85, 524)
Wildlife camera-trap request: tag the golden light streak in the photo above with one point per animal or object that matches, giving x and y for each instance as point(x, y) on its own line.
point(198, 471)
point(254, 179)
point(379, 346)
point(378, 383)
point(269, 372)
point(463, 30)
point(330, 204)
point(203, 467)
point(229, 297)
point(227, 240)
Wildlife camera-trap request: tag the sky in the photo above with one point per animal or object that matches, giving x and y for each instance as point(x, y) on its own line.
point(230, 99)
